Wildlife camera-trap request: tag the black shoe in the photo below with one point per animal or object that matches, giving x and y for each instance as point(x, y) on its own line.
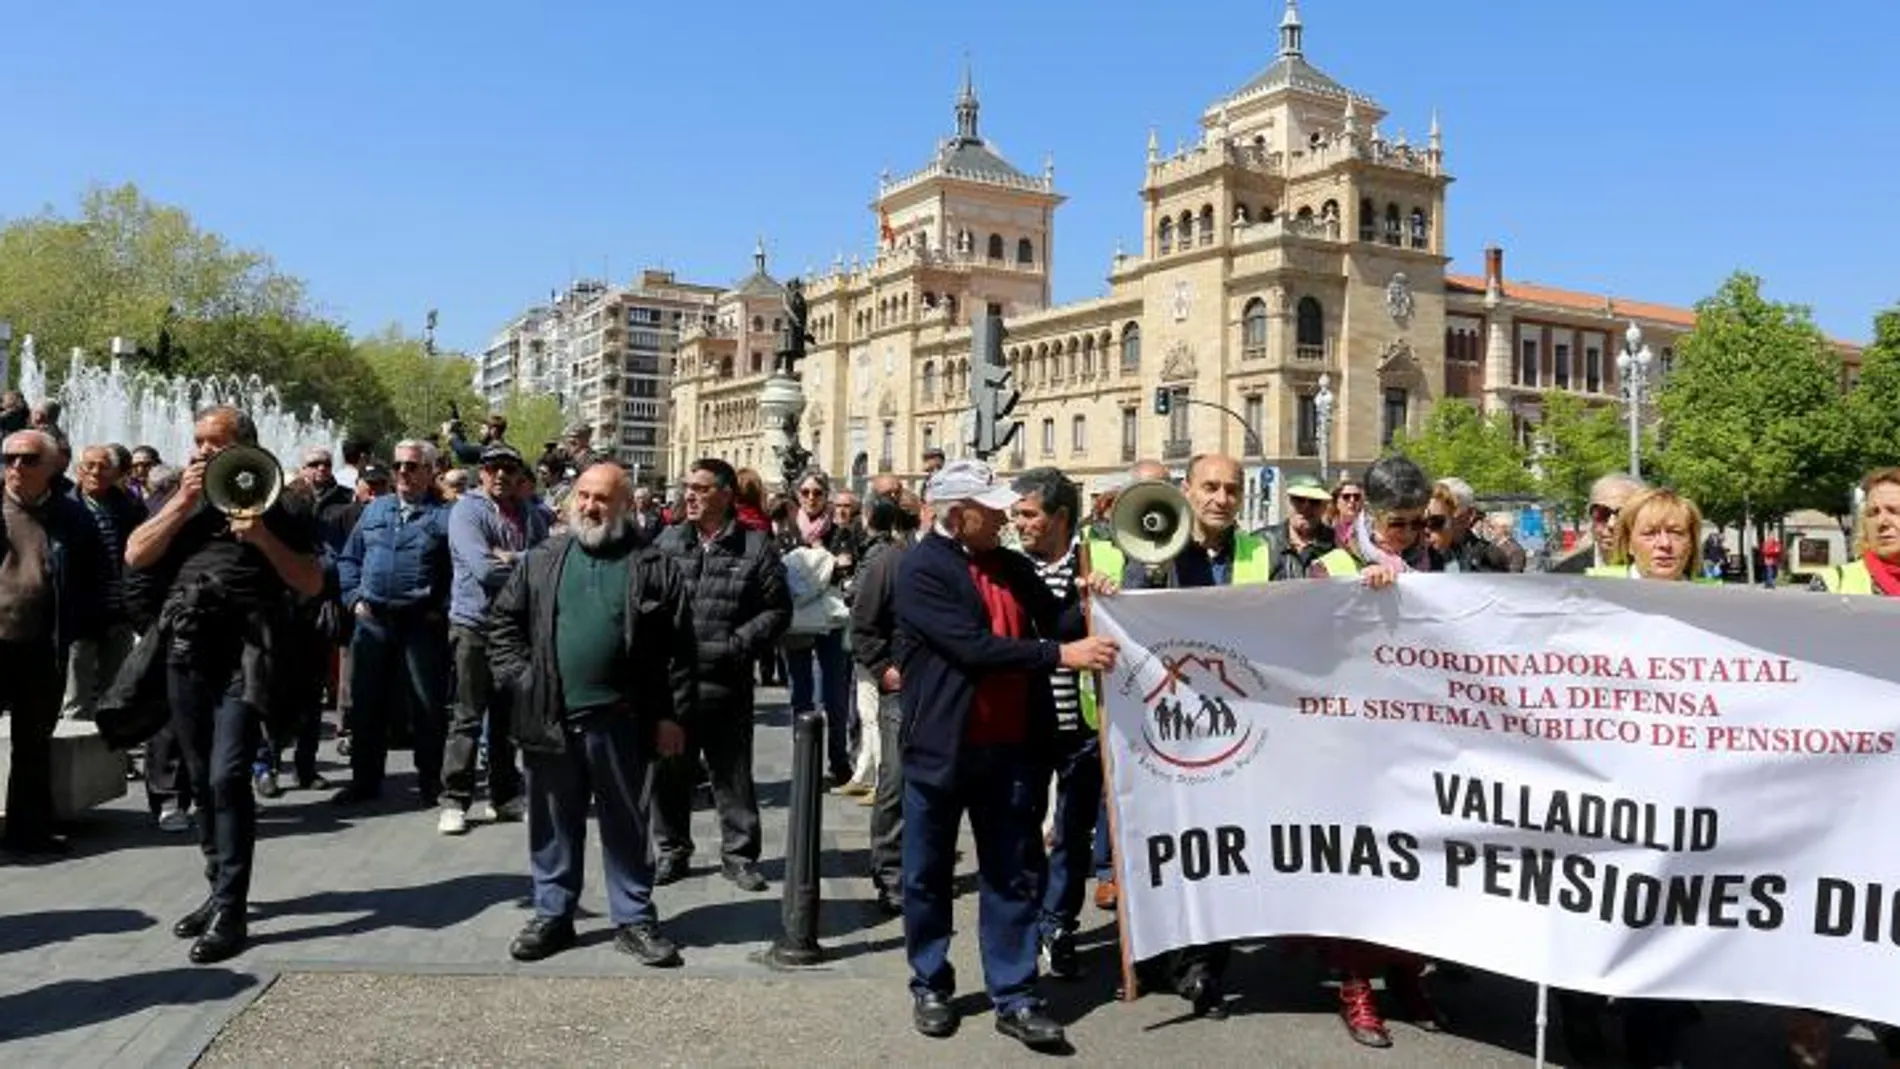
point(267, 785)
point(355, 795)
point(745, 876)
point(193, 924)
point(224, 937)
point(1057, 956)
point(644, 943)
point(542, 937)
point(670, 869)
point(1203, 989)
point(43, 845)
point(933, 1016)
point(890, 902)
point(312, 782)
point(1031, 1027)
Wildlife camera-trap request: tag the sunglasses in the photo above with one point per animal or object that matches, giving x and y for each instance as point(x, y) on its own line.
point(24, 460)
point(811, 493)
point(316, 464)
point(407, 465)
point(502, 467)
point(1603, 513)
point(1436, 523)
point(1416, 523)
point(1352, 497)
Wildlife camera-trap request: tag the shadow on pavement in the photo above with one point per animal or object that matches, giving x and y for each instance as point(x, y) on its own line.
point(432, 906)
point(760, 920)
point(26, 931)
point(69, 1004)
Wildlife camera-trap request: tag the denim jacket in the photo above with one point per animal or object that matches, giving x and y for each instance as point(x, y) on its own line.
point(392, 564)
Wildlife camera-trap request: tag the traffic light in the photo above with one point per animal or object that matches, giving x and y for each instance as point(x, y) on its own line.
point(1164, 400)
point(992, 395)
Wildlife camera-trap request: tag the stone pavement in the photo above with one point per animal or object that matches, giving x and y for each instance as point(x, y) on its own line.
point(378, 942)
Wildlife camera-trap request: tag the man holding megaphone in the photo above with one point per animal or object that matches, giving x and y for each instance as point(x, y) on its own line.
point(232, 573)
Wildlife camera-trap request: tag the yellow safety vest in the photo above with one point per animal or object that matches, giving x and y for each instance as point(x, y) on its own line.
point(1622, 571)
point(1253, 563)
point(1850, 578)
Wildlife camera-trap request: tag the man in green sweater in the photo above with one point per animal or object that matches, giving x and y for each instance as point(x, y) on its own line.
point(594, 633)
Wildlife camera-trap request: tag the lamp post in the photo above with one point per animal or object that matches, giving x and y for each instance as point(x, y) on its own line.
point(1323, 417)
point(1632, 365)
point(6, 351)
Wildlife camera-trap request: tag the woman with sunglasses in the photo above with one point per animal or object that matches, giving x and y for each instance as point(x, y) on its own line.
point(1385, 538)
point(812, 533)
point(1349, 503)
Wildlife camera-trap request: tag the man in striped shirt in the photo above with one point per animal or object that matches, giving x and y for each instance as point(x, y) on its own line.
point(1045, 519)
point(115, 512)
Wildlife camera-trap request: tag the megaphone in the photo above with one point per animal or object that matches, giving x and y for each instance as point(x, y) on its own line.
point(1151, 522)
point(243, 482)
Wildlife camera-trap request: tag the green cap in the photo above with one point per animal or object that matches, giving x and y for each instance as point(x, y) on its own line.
point(1307, 486)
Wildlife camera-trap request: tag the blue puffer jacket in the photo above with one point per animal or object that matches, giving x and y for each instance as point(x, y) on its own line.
point(396, 565)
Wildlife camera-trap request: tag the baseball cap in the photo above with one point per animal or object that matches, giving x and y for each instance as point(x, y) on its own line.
point(933, 451)
point(373, 473)
point(494, 452)
point(969, 480)
point(1308, 487)
point(577, 430)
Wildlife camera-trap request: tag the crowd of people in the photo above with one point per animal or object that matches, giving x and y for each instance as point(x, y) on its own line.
point(588, 647)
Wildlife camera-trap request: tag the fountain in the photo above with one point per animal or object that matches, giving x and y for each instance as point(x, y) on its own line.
point(107, 403)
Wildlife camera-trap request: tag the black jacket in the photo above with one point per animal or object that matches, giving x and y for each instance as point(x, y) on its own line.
point(736, 583)
point(657, 645)
point(76, 559)
point(944, 645)
point(874, 610)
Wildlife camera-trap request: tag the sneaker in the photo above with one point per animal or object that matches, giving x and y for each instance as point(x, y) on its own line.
point(173, 819)
point(452, 821)
point(1360, 1014)
point(511, 811)
point(1056, 956)
point(267, 785)
point(647, 946)
point(484, 812)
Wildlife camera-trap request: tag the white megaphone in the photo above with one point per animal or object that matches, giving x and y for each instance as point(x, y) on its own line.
point(1151, 522)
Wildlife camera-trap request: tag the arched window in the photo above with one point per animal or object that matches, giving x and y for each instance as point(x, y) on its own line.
point(725, 367)
point(1041, 370)
point(950, 306)
point(1075, 349)
point(758, 324)
point(1088, 355)
point(1131, 347)
point(1305, 214)
point(996, 246)
point(1187, 230)
point(1253, 329)
point(1207, 224)
point(1421, 229)
point(1266, 213)
point(1025, 252)
point(1368, 220)
point(757, 363)
point(1392, 230)
point(927, 382)
point(1310, 331)
point(1164, 234)
point(905, 302)
point(930, 299)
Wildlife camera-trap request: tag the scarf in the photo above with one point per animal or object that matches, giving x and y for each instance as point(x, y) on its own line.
point(1362, 545)
point(999, 708)
point(1886, 576)
point(813, 530)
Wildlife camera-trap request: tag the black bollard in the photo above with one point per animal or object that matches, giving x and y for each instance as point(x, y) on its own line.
point(799, 943)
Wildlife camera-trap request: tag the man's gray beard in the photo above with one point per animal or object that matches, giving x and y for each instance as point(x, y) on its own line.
point(592, 535)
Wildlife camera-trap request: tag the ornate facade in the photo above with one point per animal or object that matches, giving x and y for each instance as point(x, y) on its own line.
point(1294, 240)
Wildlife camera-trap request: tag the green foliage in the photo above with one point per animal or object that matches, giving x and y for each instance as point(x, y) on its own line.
point(1578, 443)
point(1753, 416)
point(421, 387)
point(1459, 440)
point(534, 419)
point(1873, 406)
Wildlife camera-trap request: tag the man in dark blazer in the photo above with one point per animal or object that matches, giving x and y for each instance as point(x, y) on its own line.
point(977, 637)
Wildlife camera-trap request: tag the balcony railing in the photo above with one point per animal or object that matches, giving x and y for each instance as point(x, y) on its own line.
point(1177, 449)
point(1309, 352)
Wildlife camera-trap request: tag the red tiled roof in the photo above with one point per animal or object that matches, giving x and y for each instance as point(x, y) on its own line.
point(1582, 302)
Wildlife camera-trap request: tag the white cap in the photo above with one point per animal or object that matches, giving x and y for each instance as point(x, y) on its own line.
point(969, 480)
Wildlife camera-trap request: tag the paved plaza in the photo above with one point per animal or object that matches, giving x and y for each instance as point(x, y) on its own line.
point(376, 941)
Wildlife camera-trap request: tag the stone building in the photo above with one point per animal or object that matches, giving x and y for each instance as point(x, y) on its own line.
point(1296, 242)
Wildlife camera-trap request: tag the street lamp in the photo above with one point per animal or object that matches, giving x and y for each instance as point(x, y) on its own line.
point(1632, 364)
point(1323, 417)
point(6, 351)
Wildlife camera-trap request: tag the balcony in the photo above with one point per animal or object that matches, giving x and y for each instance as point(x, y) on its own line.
point(1313, 353)
point(1177, 449)
point(1128, 452)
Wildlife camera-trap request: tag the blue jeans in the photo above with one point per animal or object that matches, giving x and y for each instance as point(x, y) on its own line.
point(398, 656)
point(605, 761)
point(999, 786)
point(1104, 850)
point(835, 668)
point(1072, 854)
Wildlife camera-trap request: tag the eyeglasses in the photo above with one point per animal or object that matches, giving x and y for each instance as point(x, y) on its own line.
point(501, 467)
point(1416, 523)
point(24, 460)
point(1351, 497)
point(407, 465)
point(1437, 523)
point(811, 492)
point(316, 464)
point(701, 488)
point(1603, 513)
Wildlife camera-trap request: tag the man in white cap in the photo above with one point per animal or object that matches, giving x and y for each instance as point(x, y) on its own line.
point(976, 643)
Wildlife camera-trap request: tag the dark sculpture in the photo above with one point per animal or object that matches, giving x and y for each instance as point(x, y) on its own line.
point(793, 457)
point(792, 346)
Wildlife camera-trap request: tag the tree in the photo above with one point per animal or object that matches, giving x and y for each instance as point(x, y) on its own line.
point(1577, 443)
point(1459, 440)
point(1873, 406)
point(421, 387)
point(1753, 418)
point(126, 267)
point(534, 419)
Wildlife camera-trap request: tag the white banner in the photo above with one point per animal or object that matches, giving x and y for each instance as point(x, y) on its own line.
point(1623, 787)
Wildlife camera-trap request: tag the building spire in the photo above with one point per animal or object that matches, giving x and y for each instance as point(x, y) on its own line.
point(1291, 31)
point(967, 105)
point(758, 255)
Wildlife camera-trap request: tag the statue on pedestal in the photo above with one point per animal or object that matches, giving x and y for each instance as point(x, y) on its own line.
point(797, 316)
point(792, 457)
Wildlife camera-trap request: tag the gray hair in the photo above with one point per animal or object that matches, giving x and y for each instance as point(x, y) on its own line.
point(47, 441)
point(418, 445)
point(1460, 492)
point(243, 428)
point(160, 483)
point(1624, 481)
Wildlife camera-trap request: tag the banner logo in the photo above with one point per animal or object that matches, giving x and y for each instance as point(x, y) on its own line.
point(1200, 701)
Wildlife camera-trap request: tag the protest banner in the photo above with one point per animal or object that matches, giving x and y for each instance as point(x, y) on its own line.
point(1632, 788)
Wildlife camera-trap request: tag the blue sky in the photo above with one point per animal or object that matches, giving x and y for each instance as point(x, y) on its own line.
point(405, 155)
